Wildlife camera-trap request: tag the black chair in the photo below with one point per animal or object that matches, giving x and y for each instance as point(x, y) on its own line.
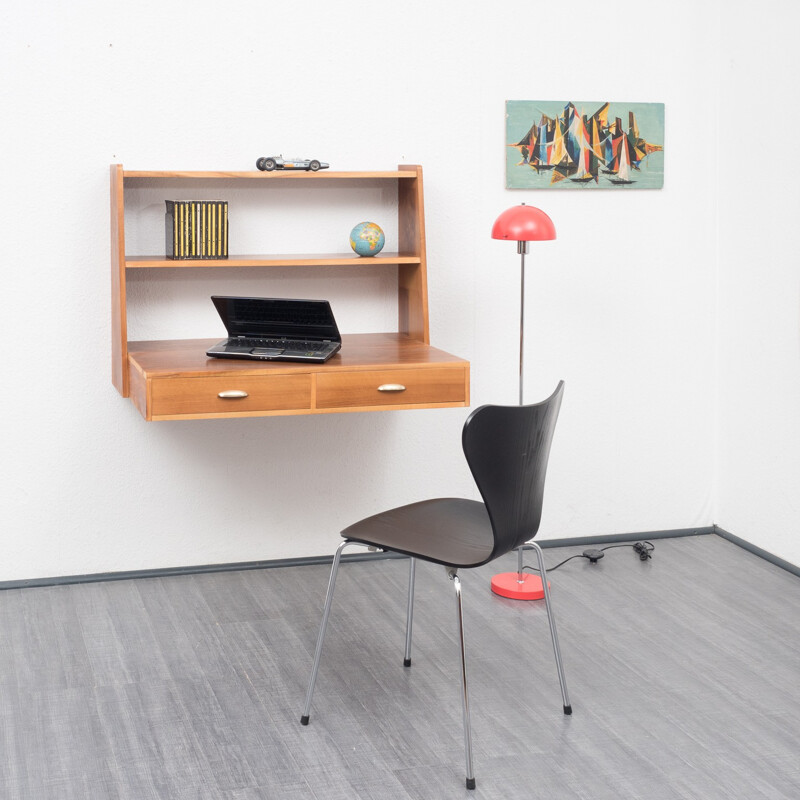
point(507, 449)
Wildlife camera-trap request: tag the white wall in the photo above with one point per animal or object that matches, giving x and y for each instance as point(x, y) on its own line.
point(620, 305)
point(759, 281)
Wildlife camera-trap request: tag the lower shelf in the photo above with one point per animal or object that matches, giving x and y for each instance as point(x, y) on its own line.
point(372, 372)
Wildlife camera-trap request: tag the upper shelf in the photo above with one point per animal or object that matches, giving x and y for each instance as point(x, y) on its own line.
point(271, 260)
point(271, 176)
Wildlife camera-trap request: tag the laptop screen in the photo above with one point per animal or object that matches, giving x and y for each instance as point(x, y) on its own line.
point(274, 317)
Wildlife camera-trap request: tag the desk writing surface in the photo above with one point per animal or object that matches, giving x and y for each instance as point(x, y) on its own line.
point(359, 351)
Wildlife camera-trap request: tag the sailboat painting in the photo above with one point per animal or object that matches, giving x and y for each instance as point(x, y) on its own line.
point(600, 145)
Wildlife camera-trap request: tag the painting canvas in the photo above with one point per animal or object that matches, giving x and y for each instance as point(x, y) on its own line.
point(594, 145)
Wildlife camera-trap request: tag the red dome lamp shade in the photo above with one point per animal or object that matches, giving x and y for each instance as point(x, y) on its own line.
point(524, 224)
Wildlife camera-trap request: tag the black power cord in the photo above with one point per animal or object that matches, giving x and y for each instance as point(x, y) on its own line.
point(644, 549)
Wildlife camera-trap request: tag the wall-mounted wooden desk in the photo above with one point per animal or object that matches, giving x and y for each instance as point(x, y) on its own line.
point(372, 372)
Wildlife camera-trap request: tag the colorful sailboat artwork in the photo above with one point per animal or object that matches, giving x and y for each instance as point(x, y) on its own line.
point(623, 164)
point(558, 145)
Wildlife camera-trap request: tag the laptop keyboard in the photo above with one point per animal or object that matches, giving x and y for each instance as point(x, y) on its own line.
point(282, 344)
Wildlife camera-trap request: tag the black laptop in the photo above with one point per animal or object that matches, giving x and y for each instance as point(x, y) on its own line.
point(276, 329)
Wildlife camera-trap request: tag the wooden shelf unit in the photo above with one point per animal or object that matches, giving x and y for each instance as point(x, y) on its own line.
point(175, 380)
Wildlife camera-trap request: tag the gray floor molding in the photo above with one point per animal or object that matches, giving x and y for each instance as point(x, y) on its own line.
point(198, 569)
point(166, 572)
point(611, 538)
point(751, 548)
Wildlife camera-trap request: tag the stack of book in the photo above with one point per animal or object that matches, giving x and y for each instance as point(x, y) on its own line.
point(197, 229)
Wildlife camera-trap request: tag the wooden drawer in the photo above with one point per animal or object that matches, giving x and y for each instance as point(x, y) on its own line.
point(395, 387)
point(229, 395)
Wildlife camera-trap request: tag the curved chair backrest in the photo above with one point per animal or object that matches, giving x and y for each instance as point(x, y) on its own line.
point(507, 448)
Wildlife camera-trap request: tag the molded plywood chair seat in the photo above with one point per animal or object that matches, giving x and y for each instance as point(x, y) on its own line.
point(507, 449)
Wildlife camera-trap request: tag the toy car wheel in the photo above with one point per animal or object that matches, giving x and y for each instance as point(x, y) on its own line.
point(260, 164)
point(314, 165)
point(269, 164)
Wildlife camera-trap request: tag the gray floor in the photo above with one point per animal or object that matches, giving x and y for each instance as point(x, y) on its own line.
point(683, 673)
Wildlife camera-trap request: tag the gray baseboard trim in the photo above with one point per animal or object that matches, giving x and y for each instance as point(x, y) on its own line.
point(611, 538)
point(199, 569)
point(577, 541)
point(751, 548)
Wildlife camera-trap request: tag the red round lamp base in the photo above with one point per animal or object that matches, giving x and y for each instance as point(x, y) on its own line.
point(508, 584)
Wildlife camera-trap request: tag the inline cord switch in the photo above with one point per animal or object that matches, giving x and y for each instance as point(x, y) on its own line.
point(644, 550)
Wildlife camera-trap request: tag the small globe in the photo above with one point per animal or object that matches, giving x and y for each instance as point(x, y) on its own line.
point(367, 239)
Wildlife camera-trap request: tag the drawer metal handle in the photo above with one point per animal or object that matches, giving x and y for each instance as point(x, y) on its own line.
point(232, 393)
point(391, 387)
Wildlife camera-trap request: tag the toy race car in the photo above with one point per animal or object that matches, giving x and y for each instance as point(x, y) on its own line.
point(270, 163)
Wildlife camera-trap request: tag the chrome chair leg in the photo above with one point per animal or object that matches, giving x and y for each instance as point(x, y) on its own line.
point(412, 568)
point(553, 632)
point(453, 575)
point(323, 626)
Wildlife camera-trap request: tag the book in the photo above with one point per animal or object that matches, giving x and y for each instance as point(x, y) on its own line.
point(196, 229)
point(171, 229)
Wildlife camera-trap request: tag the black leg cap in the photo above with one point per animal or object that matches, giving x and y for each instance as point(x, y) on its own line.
point(304, 719)
point(470, 783)
point(567, 710)
point(406, 662)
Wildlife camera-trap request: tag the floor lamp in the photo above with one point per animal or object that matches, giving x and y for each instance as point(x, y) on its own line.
point(521, 224)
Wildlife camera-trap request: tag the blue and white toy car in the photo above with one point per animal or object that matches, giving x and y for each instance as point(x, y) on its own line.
point(269, 163)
